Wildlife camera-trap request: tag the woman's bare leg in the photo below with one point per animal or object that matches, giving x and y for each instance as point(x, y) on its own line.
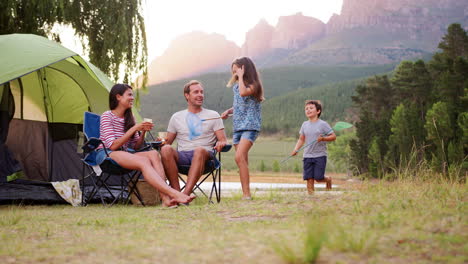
point(153, 156)
point(143, 164)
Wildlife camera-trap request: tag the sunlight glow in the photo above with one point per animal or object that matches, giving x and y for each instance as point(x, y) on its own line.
point(166, 20)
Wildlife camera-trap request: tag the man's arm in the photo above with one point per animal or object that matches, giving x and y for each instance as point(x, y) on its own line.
point(222, 141)
point(170, 138)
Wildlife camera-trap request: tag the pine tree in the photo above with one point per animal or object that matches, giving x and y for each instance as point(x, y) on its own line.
point(399, 142)
point(403, 81)
point(455, 43)
point(376, 167)
point(375, 101)
point(439, 130)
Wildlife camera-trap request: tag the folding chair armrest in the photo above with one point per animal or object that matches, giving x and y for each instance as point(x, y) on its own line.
point(156, 144)
point(145, 147)
point(226, 148)
point(91, 144)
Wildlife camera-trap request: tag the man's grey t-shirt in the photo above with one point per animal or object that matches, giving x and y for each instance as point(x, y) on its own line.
point(178, 125)
point(311, 131)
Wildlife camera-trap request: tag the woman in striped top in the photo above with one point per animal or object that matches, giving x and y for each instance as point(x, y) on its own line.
point(119, 132)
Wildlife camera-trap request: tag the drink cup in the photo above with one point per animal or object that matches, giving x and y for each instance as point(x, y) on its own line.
point(162, 136)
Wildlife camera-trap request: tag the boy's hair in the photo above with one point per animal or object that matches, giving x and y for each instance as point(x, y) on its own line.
point(317, 103)
point(187, 86)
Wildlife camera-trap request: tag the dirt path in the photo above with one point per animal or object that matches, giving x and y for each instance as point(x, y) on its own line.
point(339, 179)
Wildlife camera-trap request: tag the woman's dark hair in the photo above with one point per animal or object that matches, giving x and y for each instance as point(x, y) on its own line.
point(120, 89)
point(251, 77)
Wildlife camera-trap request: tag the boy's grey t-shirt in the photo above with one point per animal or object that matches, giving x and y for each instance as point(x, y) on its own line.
point(311, 131)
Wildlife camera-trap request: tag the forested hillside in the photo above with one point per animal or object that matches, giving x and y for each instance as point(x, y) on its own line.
point(418, 117)
point(285, 114)
point(165, 99)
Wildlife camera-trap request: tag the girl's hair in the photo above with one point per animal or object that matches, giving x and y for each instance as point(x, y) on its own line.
point(251, 77)
point(317, 103)
point(120, 89)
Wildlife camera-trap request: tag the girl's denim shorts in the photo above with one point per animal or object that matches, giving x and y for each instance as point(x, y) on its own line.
point(250, 135)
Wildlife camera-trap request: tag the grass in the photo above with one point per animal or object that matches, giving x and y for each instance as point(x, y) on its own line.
point(267, 150)
point(404, 221)
point(271, 150)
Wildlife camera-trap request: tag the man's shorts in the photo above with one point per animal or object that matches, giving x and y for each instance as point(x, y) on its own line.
point(250, 135)
point(314, 168)
point(185, 157)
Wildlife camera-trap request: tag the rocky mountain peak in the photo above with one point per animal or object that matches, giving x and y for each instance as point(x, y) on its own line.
point(296, 31)
point(291, 33)
point(258, 39)
point(191, 54)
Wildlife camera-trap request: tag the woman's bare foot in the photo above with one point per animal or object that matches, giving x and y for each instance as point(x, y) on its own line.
point(169, 203)
point(166, 200)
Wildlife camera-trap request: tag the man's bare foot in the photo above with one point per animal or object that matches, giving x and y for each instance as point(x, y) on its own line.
point(183, 198)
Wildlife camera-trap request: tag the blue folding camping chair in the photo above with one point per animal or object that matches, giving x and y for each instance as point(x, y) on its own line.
point(108, 180)
point(213, 170)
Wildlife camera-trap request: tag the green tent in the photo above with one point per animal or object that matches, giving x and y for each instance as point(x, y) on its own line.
point(44, 91)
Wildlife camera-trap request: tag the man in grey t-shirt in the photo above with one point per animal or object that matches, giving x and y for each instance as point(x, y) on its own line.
point(193, 152)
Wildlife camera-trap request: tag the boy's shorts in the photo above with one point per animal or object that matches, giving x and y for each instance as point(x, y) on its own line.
point(314, 168)
point(250, 135)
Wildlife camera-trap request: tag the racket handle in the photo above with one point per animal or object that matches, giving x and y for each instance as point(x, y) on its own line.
point(212, 118)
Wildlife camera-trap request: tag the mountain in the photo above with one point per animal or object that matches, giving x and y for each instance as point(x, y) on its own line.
point(291, 33)
point(382, 31)
point(192, 54)
point(258, 39)
point(167, 98)
point(366, 32)
point(416, 18)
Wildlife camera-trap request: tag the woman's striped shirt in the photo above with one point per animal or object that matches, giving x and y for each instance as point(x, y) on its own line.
point(112, 127)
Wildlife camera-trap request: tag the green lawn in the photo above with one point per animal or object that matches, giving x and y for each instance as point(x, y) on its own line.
point(366, 222)
point(271, 150)
point(267, 150)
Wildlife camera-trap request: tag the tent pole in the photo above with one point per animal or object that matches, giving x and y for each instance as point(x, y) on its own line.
point(50, 147)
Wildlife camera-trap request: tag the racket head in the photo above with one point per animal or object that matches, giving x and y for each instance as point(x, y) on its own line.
point(341, 125)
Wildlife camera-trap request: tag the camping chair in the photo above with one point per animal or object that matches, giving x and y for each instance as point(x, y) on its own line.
point(101, 174)
point(213, 170)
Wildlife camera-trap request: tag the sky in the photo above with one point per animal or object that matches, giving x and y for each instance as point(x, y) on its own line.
point(168, 19)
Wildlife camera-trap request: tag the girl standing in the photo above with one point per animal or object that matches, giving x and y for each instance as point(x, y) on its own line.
point(247, 115)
